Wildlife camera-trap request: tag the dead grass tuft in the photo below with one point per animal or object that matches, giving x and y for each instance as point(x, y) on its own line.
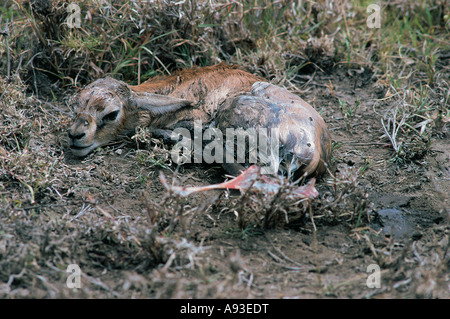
point(255, 211)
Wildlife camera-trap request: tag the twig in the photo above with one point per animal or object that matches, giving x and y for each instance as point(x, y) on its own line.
point(6, 33)
point(13, 277)
point(365, 144)
point(393, 126)
point(279, 260)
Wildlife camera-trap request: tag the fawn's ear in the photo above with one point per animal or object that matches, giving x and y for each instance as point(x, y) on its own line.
point(159, 104)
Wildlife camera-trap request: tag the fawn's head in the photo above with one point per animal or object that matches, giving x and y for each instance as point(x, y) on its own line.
point(107, 108)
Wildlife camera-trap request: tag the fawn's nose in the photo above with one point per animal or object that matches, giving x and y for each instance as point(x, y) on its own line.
point(75, 136)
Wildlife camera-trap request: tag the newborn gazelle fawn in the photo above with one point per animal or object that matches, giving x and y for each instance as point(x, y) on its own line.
point(222, 96)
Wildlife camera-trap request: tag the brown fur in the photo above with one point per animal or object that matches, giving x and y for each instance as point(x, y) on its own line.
point(207, 87)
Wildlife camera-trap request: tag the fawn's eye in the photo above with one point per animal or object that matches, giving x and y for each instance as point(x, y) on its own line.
point(111, 116)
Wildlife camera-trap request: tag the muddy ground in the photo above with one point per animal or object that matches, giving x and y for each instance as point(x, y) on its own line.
point(97, 213)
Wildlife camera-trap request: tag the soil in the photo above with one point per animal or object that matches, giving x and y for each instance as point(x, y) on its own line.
point(100, 200)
